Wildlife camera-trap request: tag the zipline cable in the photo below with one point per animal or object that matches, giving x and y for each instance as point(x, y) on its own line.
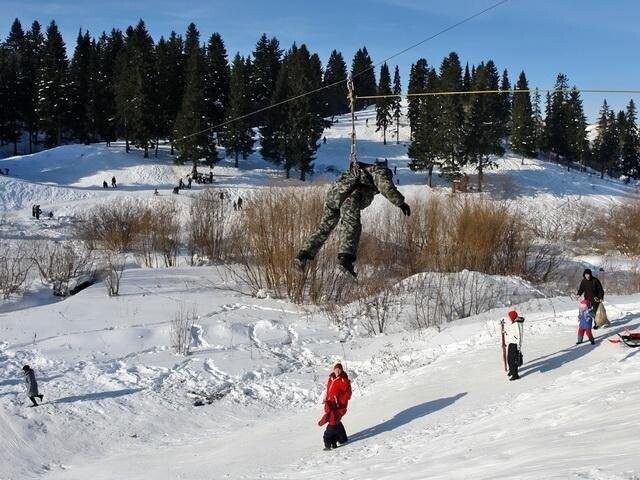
point(339, 82)
point(481, 92)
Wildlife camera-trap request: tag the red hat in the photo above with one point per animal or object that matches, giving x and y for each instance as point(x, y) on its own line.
point(513, 315)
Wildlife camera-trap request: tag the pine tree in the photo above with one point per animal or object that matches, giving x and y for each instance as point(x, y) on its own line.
point(135, 87)
point(364, 77)
point(538, 122)
point(32, 59)
point(384, 105)
point(304, 117)
point(82, 90)
point(450, 123)
point(175, 75)
point(483, 122)
point(396, 102)
point(264, 73)
point(505, 104)
point(425, 149)
point(578, 144)
point(275, 133)
point(523, 134)
point(52, 87)
point(108, 49)
point(237, 135)
point(11, 84)
point(217, 81)
point(556, 123)
point(606, 143)
point(417, 84)
point(193, 139)
point(630, 143)
point(336, 96)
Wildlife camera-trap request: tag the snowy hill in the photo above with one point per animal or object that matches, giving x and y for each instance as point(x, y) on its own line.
point(432, 403)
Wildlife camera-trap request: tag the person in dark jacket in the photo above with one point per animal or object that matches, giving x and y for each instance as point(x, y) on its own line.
point(113, 182)
point(352, 192)
point(32, 385)
point(592, 290)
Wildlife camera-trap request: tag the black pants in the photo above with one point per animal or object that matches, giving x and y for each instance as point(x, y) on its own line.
point(334, 434)
point(33, 399)
point(512, 359)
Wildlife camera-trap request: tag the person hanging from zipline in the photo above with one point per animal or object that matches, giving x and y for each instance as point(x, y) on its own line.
point(352, 192)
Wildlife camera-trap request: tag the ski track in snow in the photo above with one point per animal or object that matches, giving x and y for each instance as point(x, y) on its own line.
point(427, 404)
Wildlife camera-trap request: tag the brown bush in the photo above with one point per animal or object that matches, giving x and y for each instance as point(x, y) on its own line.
point(622, 228)
point(151, 232)
point(208, 227)
point(446, 234)
point(267, 238)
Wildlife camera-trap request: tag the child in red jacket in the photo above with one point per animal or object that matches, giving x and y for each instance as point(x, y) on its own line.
point(335, 407)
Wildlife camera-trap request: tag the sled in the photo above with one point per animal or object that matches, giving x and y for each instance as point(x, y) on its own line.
point(630, 339)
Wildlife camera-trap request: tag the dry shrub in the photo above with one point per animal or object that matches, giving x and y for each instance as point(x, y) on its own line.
point(115, 263)
point(61, 262)
point(451, 234)
point(622, 228)
point(378, 305)
point(181, 328)
point(158, 235)
point(268, 237)
point(111, 226)
point(445, 234)
point(208, 227)
point(15, 264)
point(151, 232)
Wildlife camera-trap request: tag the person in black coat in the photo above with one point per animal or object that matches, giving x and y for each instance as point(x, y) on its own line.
point(31, 384)
point(592, 290)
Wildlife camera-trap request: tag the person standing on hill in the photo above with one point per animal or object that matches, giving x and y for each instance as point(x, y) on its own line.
point(352, 192)
point(585, 322)
point(592, 290)
point(336, 401)
point(513, 340)
point(113, 182)
point(31, 384)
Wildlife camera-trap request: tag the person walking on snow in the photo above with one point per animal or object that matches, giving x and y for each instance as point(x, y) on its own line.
point(32, 385)
point(585, 321)
point(113, 182)
point(513, 340)
point(592, 290)
point(336, 401)
point(352, 192)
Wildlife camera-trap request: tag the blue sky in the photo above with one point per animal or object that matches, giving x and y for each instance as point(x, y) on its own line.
point(592, 41)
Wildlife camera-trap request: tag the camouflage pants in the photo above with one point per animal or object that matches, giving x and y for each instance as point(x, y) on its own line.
point(350, 227)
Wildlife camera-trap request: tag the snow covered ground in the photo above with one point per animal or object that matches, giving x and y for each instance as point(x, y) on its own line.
point(431, 403)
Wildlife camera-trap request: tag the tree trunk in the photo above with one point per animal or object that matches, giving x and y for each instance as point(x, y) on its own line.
point(384, 135)
point(480, 167)
point(398, 132)
point(146, 150)
point(236, 162)
point(430, 175)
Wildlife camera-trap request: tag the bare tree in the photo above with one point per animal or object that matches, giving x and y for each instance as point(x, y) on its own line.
point(15, 265)
point(60, 262)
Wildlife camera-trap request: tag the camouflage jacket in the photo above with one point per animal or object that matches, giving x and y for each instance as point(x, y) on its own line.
point(368, 180)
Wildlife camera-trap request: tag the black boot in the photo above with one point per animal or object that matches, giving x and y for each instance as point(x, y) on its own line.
point(301, 260)
point(345, 263)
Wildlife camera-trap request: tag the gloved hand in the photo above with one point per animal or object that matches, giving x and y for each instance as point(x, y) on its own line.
point(406, 210)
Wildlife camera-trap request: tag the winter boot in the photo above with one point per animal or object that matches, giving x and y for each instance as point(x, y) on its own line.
point(593, 342)
point(301, 261)
point(41, 396)
point(345, 263)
